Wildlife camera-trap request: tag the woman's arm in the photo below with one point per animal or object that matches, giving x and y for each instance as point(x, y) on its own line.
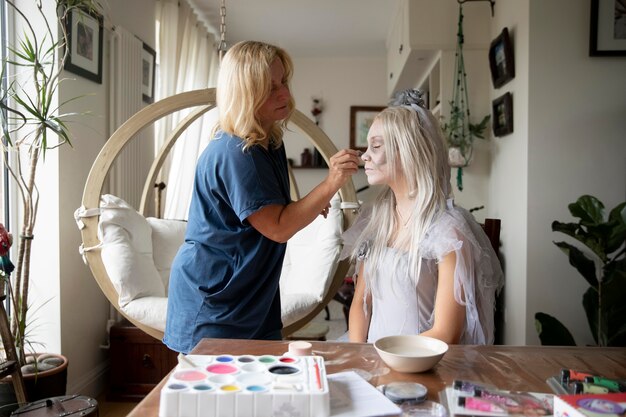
point(359, 320)
point(449, 315)
point(279, 223)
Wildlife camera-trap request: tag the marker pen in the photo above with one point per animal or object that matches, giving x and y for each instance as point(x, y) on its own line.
point(466, 386)
point(588, 388)
point(479, 404)
point(568, 375)
point(612, 385)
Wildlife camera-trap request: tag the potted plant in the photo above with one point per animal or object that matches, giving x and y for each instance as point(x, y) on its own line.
point(32, 124)
point(602, 263)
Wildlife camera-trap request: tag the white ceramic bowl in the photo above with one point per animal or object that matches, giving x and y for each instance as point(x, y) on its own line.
point(410, 353)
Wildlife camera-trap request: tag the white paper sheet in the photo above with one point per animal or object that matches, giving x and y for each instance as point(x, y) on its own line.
point(352, 396)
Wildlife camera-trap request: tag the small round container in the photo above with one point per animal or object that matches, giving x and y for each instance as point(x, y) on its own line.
point(399, 392)
point(300, 348)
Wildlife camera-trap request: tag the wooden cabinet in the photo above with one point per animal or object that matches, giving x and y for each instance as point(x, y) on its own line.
point(138, 362)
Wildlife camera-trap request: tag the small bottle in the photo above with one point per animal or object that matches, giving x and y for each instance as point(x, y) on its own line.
point(305, 158)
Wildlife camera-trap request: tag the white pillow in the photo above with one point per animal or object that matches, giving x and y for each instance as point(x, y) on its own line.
point(126, 251)
point(310, 264)
point(150, 311)
point(296, 306)
point(167, 236)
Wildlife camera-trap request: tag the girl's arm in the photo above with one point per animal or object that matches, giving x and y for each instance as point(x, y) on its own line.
point(449, 315)
point(359, 320)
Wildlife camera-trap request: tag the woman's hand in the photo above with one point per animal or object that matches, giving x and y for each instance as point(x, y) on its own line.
point(342, 166)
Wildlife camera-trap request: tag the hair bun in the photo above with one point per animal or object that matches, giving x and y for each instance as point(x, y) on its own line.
point(409, 97)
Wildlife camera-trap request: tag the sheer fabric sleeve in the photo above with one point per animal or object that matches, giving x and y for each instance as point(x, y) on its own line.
point(477, 276)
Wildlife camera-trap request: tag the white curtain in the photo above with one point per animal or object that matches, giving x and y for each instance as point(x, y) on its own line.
point(188, 61)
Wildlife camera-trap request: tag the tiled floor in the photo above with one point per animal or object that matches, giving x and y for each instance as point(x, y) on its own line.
point(337, 328)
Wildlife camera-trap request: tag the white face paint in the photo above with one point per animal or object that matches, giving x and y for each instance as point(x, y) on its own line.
point(375, 158)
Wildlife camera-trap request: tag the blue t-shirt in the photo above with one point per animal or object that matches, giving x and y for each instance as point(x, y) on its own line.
point(224, 279)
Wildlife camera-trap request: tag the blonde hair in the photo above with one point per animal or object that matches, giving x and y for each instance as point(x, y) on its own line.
point(244, 83)
point(416, 149)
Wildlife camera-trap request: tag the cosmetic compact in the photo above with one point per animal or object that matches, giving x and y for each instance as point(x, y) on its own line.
point(399, 392)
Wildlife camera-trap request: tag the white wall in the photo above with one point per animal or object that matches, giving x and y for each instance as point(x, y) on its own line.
point(509, 171)
point(341, 83)
point(576, 146)
point(568, 140)
point(83, 308)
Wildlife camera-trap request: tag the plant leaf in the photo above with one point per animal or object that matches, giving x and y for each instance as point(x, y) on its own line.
point(580, 261)
point(552, 332)
point(567, 228)
point(613, 291)
point(591, 237)
point(591, 305)
point(588, 209)
point(617, 235)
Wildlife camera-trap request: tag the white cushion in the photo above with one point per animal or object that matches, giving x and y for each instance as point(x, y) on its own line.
point(296, 306)
point(167, 236)
point(150, 311)
point(310, 264)
point(126, 251)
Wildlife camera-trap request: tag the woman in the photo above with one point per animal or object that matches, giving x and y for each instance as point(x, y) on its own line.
point(224, 279)
point(425, 266)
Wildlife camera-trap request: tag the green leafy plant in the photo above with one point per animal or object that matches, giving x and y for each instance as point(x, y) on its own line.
point(32, 124)
point(602, 263)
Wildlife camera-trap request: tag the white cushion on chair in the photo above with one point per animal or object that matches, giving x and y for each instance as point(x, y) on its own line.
point(126, 251)
point(167, 236)
point(310, 264)
point(150, 311)
point(138, 252)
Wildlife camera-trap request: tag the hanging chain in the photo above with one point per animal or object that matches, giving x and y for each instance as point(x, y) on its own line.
point(222, 47)
point(492, 3)
point(460, 112)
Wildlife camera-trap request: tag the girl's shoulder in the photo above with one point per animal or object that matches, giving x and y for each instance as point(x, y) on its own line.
point(454, 228)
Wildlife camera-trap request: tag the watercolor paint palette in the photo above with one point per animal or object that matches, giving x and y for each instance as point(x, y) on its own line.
point(247, 385)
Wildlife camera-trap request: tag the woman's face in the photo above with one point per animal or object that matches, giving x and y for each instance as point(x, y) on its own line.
point(375, 157)
point(276, 107)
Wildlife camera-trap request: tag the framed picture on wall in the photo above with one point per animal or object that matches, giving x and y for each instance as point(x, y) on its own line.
point(148, 63)
point(84, 32)
point(607, 34)
point(501, 62)
point(361, 118)
point(502, 117)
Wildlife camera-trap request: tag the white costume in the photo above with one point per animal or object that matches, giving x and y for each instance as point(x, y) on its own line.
point(398, 307)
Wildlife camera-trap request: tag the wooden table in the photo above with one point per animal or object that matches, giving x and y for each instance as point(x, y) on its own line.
point(523, 368)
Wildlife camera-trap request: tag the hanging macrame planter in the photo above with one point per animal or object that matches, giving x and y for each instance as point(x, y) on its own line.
point(459, 131)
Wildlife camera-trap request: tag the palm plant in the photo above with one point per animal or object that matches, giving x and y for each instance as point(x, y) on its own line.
point(32, 124)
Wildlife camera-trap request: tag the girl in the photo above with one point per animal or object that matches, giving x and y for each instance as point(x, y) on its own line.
point(424, 266)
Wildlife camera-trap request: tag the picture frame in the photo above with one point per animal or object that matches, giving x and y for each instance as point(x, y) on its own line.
point(85, 38)
point(148, 67)
point(502, 115)
point(501, 59)
point(361, 118)
point(607, 29)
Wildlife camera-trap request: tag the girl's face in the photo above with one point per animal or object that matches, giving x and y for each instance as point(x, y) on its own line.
point(376, 167)
point(276, 107)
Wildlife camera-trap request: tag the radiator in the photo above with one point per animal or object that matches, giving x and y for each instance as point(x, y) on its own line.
point(129, 171)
